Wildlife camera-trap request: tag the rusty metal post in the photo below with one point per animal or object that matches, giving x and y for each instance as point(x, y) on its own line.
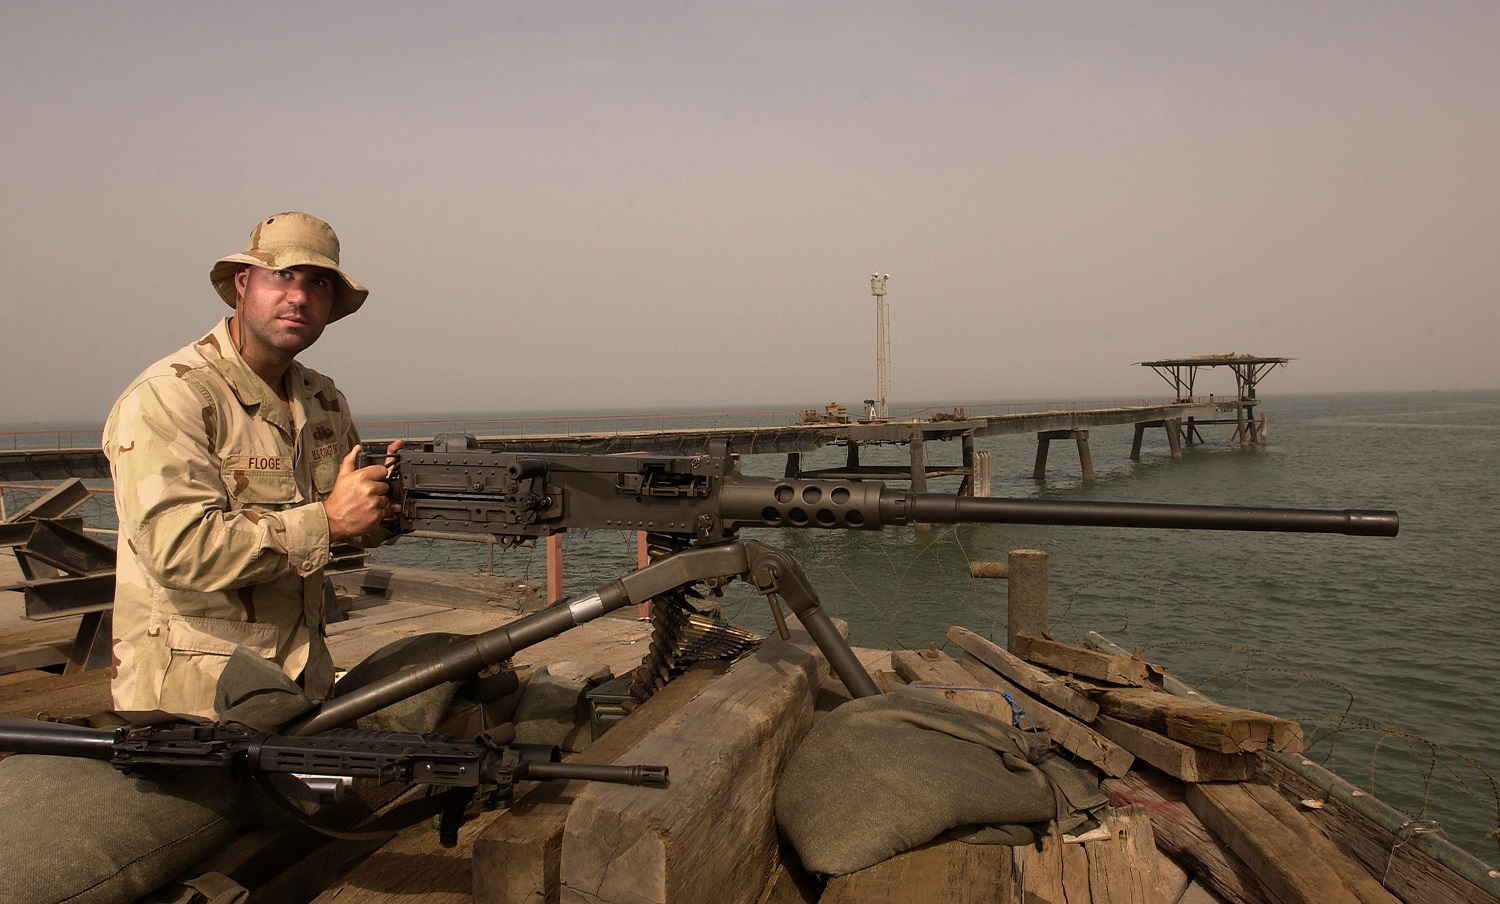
point(1026, 611)
point(793, 465)
point(554, 568)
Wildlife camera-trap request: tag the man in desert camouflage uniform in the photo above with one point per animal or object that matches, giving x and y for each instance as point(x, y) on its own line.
point(234, 469)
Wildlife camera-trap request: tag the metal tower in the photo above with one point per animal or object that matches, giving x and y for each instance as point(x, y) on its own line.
point(880, 411)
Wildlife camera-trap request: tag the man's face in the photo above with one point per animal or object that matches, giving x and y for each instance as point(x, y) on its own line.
point(282, 312)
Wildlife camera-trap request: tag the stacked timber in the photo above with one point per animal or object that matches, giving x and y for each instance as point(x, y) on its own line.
point(1184, 767)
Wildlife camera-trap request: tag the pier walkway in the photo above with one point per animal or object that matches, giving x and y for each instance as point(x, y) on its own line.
point(1178, 420)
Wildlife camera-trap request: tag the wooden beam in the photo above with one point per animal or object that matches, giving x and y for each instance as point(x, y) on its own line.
point(948, 872)
point(984, 695)
point(1201, 723)
point(1088, 663)
point(1414, 875)
point(711, 835)
point(1184, 836)
point(1176, 759)
point(517, 857)
point(1026, 676)
point(1276, 853)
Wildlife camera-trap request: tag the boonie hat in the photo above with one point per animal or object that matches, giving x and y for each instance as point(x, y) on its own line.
point(291, 239)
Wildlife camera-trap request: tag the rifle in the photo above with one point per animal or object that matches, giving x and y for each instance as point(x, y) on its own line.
point(443, 762)
point(692, 508)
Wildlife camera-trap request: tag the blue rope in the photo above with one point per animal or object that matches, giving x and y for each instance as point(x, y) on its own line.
point(1016, 712)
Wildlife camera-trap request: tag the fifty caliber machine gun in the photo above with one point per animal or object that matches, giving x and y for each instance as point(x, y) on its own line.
point(692, 508)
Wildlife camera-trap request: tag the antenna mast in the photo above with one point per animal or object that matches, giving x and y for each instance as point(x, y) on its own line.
point(880, 411)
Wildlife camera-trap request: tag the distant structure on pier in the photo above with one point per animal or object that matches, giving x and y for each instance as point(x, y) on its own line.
point(878, 409)
point(1248, 370)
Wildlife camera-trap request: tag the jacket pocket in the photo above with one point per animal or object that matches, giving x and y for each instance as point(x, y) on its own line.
point(251, 483)
point(219, 636)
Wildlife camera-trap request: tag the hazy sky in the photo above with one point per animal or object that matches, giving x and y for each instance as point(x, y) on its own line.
point(578, 205)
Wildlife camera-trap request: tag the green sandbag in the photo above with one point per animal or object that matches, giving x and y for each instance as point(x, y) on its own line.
point(52, 810)
point(882, 775)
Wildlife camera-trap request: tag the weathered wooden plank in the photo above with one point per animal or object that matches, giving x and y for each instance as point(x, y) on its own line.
point(457, 591)
point(1122, 865)
point(1201, 723)
point(1179, 832)
point(1272, 849)
point(711, 835)
point(1024, 675)
point(1089, 663)
point(1114, 864)
point(1191, 764)
point(517, 857)
point(949, 872)
point(1078, 739)
point(1410, 873)
point(972, 685)
point(1317, 845)
point(1040, 869)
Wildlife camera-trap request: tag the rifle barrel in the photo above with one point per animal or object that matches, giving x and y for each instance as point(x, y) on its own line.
point(55, 738)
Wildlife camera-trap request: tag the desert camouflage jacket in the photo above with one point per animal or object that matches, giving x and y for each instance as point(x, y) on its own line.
point(222, 538)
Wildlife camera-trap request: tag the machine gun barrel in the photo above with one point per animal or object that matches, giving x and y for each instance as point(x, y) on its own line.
point(936, 508)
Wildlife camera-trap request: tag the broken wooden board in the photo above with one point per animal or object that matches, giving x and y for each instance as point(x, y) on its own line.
point(1190, 764)
point(1073, 660)
point(1035, 681)
point(517, 857)
point(711, 835)
point(1180, 833)
point(946, 872)
point(1201, 723)
point(1269, 843)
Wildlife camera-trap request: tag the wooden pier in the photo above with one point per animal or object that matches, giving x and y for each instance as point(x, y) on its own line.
point(1177, 419)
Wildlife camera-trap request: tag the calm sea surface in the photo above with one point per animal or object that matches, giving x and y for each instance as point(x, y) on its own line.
point(1384, 649)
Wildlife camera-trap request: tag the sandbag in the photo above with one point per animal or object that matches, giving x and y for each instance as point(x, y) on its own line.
point(554, 710)
point(82, 832)
point(882, 775)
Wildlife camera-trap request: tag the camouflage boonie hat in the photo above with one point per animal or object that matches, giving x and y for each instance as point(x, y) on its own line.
point(291, 239)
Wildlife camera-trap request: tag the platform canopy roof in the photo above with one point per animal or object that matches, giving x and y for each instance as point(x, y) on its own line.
point(1182, 373)
point(1211, 360)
